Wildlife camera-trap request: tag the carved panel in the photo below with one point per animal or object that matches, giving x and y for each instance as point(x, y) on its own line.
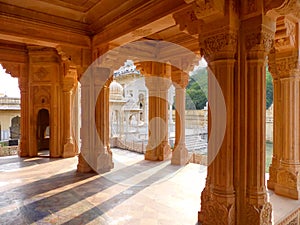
point(285, 36)
point(45, 73)
point(41, 95)
point(293, 222)
point(287, 178)
point(215, 212)
point(259, 215)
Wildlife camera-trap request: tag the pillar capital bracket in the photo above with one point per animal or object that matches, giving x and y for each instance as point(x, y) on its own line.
point(219, 44)
point(180, 79)
point(285, 65)
point(259, 41)
point(188, 21)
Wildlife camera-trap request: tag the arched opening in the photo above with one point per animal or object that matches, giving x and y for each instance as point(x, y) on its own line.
point(43, 132)
point(10, 110)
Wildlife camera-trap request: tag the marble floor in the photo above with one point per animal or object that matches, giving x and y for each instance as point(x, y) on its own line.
point(41, 190)
point(136, 192)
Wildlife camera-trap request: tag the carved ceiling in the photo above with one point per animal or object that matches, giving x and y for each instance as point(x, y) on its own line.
point(81, 23)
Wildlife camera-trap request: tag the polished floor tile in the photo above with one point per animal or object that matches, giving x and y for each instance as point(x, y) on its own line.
point(138, 192)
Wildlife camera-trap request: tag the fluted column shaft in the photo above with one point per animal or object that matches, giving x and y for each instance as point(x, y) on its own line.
point(68, 85)
point(158, 147)
point(257, 39)
point(284, 67)
point(24, 89)
point(180, 153)
point(95, 151)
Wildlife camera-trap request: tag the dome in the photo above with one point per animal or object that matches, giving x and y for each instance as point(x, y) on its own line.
point(115, 91)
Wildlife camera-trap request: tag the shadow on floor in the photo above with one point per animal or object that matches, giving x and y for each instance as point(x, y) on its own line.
point(32, 206)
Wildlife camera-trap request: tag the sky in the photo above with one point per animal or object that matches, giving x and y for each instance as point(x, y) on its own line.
point(8, 85)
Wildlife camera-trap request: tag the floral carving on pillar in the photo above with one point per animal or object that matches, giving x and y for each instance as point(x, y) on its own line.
point(213, 211)
point(260, 40)
point(214, 45)
point(284, 66)
point(288, 179)
point(264, 212)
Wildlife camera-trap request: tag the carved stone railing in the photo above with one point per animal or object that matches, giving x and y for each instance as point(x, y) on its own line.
point(9, 150)
point(128, 145)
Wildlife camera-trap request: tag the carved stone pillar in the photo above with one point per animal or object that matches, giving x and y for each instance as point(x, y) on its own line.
point(180, 153)
point(158, 82)
point(68, 87)
point(85, 155)
point(23, 85)
point(258, 37)
point(218, 197)
point(104, 160)
point(95, 150)
point(284, 66)
point(277, 137)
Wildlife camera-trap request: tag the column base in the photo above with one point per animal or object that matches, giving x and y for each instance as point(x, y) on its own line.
point(150, 154)
point(273, 175)
point(216, 208)
point(180, 155)
point(69, 150)
point(23, 153)
point(164, 151)
point(104, 163)
point(258, 214)
point(160, 153)
point(83, 166)
point(288, 184)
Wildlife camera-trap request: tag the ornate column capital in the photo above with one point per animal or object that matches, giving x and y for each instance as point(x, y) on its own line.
point(259, 41)
point(284, 66)
point(219, 45)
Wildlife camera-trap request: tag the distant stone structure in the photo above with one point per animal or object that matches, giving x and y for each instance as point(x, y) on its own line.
point(15, 128)
point(9, 109)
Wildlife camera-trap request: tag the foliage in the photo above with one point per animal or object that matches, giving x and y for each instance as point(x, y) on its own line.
point(269, 94)
point(196, 91)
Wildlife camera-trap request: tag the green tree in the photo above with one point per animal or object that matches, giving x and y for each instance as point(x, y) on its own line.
point(269, 89)
point(197, 89)
point(196, 92)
